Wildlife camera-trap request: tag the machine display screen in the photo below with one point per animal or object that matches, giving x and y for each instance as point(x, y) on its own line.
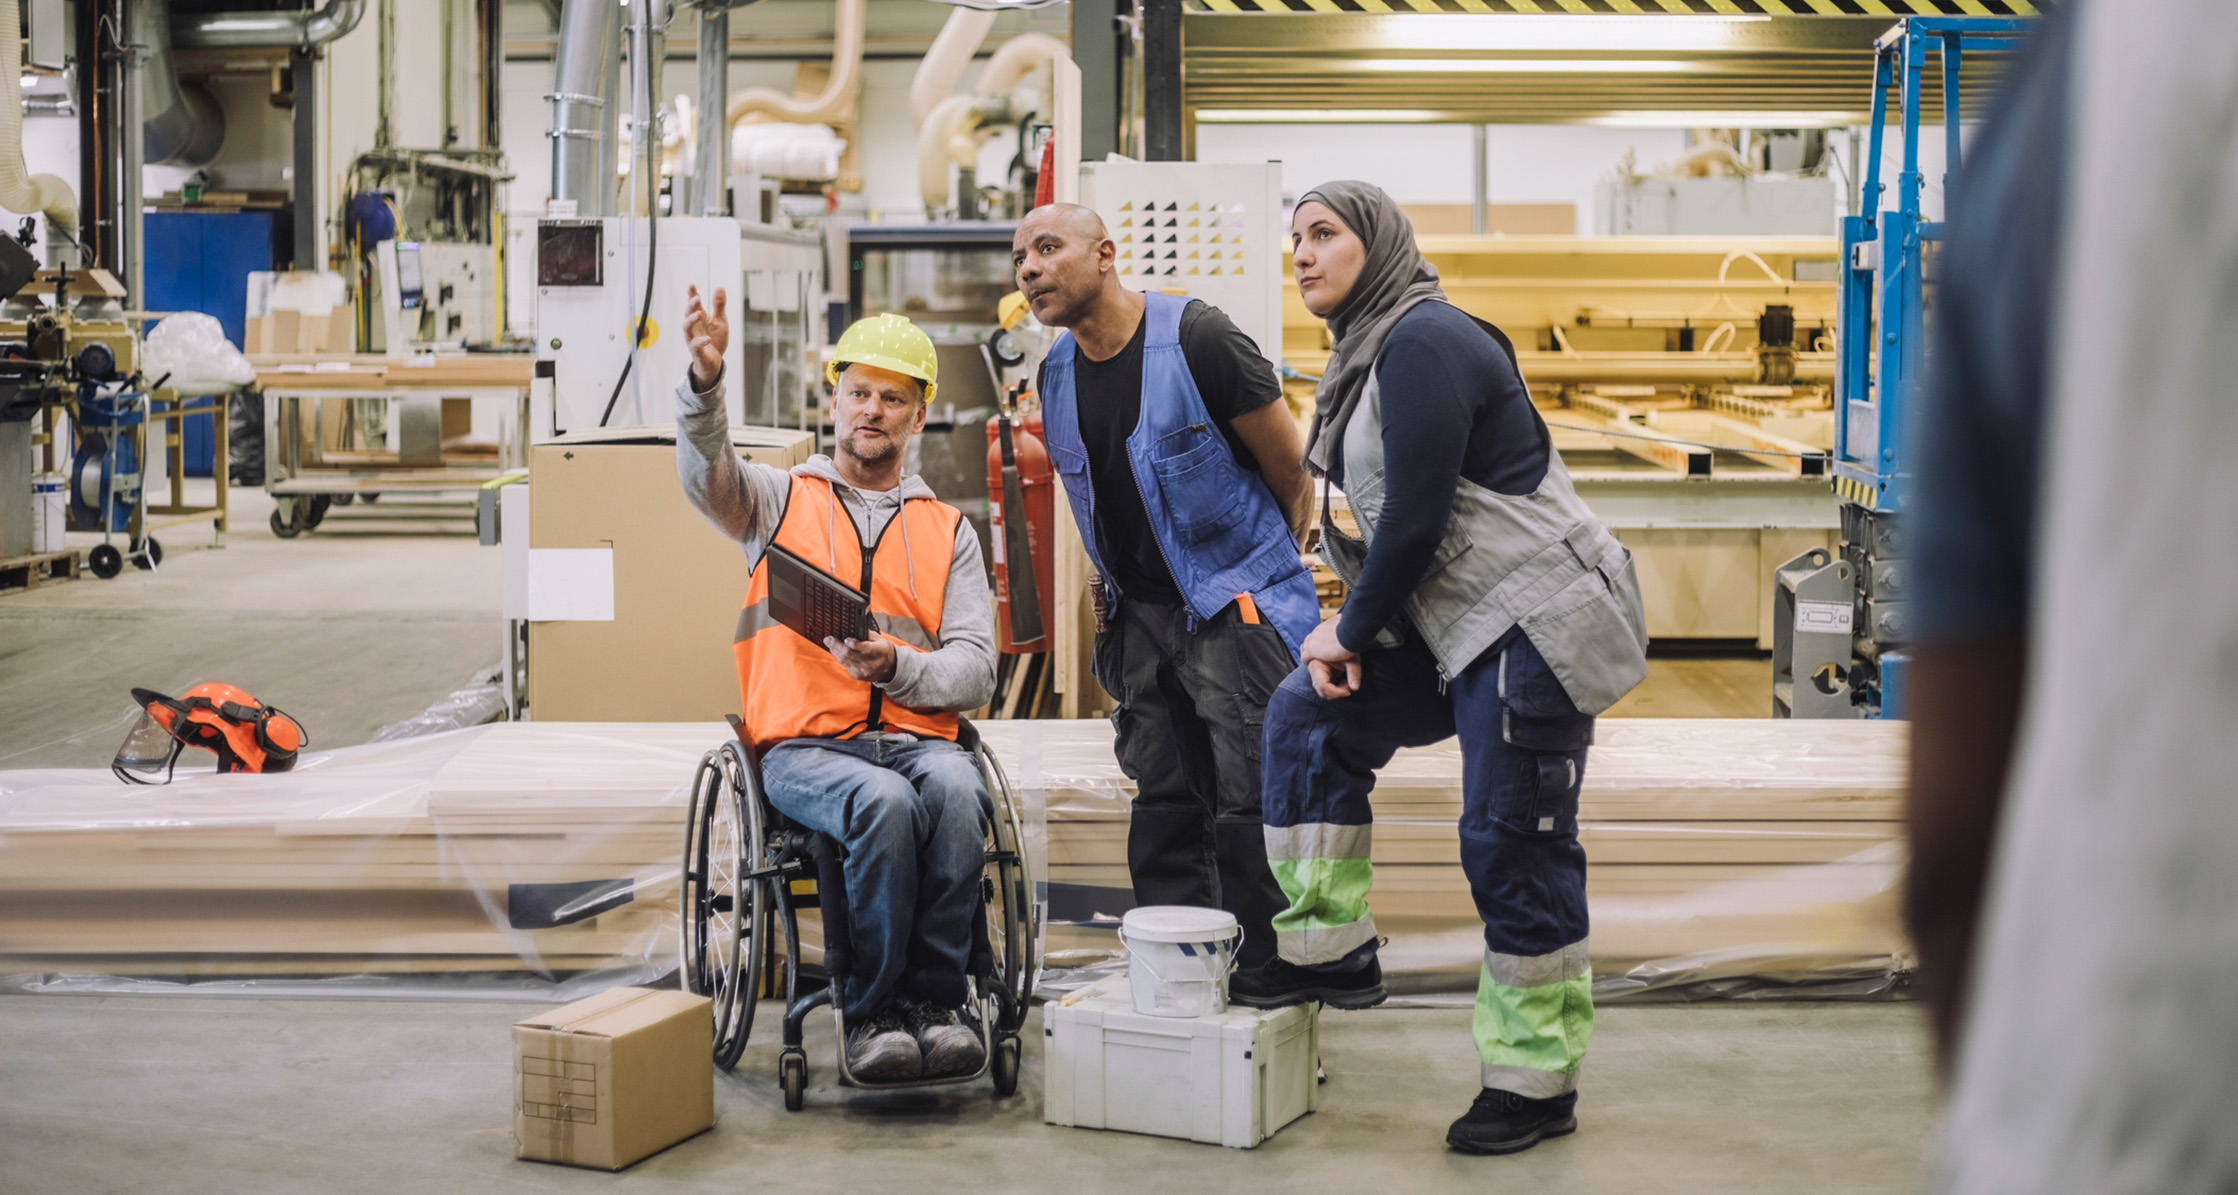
point(411, 285)
point(570, 253)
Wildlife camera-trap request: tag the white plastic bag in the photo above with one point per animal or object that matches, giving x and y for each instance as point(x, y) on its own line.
point(191, 347)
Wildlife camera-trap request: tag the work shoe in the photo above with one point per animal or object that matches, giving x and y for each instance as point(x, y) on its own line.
point(881, 1049)
point(1282, 983)
point(949, 1040)
point(1502, 1122)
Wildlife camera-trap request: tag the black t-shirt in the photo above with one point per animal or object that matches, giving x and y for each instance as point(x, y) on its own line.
point(1234, 380)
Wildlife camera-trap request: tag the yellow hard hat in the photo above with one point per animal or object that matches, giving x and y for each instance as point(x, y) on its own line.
point(1012, 310)
point(888, 342)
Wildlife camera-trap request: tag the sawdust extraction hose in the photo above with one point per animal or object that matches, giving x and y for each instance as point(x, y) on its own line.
point(20, 192)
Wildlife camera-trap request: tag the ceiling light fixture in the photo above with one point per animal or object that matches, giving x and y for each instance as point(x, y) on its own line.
point(1513, 31)
point(1518, 66)
point(1678, 119)
point(1318, 116)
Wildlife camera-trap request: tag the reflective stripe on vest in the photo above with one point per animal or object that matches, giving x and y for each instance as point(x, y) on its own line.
point(791, 688)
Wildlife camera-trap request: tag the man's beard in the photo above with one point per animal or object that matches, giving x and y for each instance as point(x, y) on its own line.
point(887, 449)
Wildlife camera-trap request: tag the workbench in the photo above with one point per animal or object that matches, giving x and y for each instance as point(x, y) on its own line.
point(319, 445)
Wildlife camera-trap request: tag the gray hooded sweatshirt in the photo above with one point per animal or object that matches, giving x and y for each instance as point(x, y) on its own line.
point(746, 501)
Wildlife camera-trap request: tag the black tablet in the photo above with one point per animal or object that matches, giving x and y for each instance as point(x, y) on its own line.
point(814, 603)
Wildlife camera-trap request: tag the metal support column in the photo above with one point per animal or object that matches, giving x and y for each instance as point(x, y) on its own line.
point(131, 226)
point(303, 65)
point(1480, 198)
point(1161, 81)
point(1095, 49)
point(711, 156)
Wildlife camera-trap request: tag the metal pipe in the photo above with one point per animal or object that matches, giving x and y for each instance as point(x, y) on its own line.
point(585, 88)
point(303, 64)
point(1161, 81)
point(185, 126)
point(711, 157)
point(1480, 199)
point(236, 30)
point(132, 227)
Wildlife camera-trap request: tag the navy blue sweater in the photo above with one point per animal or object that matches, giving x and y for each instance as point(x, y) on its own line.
point(1454, 406)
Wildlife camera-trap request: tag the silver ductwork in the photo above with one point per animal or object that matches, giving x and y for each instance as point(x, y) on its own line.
point(237, 30)
point(586, 108)
point(182, 126)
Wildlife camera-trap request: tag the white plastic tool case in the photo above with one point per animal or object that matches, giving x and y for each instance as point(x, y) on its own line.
point(1232, 1078)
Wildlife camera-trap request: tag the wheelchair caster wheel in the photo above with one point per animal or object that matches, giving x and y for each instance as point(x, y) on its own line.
point(105, 561)
point(1006, 1067)
point(792, 1071)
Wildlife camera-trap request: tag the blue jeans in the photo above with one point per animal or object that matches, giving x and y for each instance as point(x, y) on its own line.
point(913, 816)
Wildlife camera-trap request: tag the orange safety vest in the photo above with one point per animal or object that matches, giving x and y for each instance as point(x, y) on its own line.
point(794, 689)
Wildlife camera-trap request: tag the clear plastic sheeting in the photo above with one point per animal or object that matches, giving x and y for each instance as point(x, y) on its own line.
point(191, 351)
point(517, 859)
point(479, 701)
point(1727, 858)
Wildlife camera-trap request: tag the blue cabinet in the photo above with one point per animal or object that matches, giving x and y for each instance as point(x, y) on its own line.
point(201, 261)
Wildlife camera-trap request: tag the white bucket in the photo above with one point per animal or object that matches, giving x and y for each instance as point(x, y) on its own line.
point(50, 504)
point(1179, 958)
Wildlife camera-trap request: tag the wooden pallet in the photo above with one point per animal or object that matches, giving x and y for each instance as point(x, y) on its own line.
point(22, 573)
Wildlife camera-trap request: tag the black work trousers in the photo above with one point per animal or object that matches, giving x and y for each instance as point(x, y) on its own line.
point(1192, 707)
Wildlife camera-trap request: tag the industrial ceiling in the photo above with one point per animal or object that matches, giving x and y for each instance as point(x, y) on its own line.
point(1765, 63)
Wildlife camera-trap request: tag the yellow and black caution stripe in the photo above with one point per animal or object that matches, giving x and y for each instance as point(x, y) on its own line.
point(1777, 8)
point(1864, 495)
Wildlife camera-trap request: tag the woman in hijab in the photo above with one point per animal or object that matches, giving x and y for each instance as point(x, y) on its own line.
point(1485, 602)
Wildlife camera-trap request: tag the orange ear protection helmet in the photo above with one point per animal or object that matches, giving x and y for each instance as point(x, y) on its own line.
point(245, 734)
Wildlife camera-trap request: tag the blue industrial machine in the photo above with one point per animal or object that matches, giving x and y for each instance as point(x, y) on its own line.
point(1838, 620)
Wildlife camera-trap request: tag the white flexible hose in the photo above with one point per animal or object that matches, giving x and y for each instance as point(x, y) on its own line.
point(946, 139)
point(839, 89)
point(43, 193)
point(944, 63)
point(1015, 60)
point(949, 136)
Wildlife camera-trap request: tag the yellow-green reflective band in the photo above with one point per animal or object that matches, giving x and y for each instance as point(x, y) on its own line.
point(1318, 840)
point(1523, 1033)
point(1328, 913)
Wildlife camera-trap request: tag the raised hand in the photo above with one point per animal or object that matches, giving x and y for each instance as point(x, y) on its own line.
point(709, 336)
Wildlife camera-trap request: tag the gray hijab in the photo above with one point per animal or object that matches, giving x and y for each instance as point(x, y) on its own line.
point(1395, 277)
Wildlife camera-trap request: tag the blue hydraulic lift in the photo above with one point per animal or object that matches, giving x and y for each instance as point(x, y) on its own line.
point(1838, 622)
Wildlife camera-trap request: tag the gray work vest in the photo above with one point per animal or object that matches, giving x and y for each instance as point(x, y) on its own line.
point(1539, 560)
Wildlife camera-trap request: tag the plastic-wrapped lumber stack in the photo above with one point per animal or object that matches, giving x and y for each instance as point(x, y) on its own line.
point(1721, 852)
point(534, 848)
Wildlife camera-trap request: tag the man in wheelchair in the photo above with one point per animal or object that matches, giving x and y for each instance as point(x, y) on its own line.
point(857, 736)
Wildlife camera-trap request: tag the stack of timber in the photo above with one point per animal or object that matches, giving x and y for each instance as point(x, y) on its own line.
point(1716, 848)
point(546, 848)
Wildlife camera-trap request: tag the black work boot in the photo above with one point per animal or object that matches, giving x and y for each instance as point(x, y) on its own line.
point(1282, 983)
point(1502, 1122)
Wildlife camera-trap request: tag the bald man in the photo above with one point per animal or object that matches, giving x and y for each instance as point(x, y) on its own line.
point(1186, 475)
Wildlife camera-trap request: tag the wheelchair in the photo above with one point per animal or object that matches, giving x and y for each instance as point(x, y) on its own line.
point(748, 871)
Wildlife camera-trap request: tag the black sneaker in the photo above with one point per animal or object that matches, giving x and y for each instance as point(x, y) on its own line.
point(1502, 1122)
point(881, 1049)
point(948, 1038)
point(1282, 983)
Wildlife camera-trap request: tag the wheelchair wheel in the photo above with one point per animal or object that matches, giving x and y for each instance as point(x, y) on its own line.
point(792, 1070)
point(726, 915)
point(1006, 1066)
point(1012, 913)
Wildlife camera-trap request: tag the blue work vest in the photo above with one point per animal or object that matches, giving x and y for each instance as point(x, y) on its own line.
point(1220, 529)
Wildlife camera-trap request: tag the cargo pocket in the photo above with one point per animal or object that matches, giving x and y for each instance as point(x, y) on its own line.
point(1547, 737)
point(1593, 635)
point(1187, 468)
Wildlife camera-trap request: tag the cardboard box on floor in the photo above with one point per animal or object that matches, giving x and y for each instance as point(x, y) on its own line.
point(678, 582)
point(614, 1078)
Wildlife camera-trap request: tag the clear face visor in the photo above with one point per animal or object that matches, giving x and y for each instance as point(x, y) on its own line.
point(148, 753)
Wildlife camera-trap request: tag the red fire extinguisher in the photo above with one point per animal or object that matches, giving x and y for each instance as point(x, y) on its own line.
point(1023, 508)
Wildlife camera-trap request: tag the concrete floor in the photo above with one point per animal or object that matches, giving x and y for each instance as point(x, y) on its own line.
point(365, 622)
point(358, 624)
point(137, 1094)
